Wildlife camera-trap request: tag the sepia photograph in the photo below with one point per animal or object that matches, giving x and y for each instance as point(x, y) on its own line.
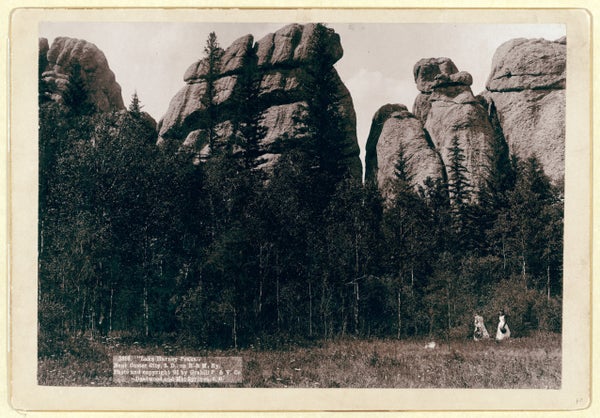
point(236, 220)
point(301, 204)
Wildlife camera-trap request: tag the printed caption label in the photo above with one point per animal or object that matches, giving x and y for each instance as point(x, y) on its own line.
point(176, 369)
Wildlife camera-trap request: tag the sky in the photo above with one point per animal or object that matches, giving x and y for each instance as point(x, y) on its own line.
point(377, 66)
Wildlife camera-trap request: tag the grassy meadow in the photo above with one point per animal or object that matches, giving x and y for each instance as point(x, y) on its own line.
point(528, 362)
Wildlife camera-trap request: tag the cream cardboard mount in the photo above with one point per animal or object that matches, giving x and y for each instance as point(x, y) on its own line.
point(26, 394)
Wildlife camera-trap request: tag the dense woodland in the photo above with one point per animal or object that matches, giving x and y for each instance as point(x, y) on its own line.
point(145, 241)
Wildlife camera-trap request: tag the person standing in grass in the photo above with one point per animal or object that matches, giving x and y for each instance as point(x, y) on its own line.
point(503, 332)
point(480, 329)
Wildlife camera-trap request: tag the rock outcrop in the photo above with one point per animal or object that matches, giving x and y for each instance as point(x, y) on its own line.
point(524, 105)
point(394, 130)
point(532, 64)
point(445, 109)
point(66, 55)
point(281, 60)
point(432, 73)
point(469, 123)
point(454, 113)
point(526, 88)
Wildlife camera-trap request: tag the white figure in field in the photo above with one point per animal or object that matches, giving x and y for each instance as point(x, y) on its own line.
point(480, 331)
point(503, 332)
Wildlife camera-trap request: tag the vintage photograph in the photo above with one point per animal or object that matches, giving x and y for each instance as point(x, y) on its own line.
point(301, 204)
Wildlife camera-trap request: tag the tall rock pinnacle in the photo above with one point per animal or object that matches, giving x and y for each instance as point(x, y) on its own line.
point(445, 109)
point(524, 105)
point(58, 63)
point(393, 130)
point(453, 113)
point(281, 60)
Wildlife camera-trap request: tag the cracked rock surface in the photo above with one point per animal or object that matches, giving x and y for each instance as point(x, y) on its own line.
point(57, 63)
point(523, 104)
point(282, 60)
point(527, 88)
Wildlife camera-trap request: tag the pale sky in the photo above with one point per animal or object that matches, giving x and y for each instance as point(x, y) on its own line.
point(377, 65)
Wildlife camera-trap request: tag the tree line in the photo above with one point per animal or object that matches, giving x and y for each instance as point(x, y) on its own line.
point(136, 239)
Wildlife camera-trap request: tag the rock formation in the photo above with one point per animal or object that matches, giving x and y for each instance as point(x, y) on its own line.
point(454, 112)
point(526, 88)
point(57, 63)
point(395, 129)
point(445, 109)
point(524, 103)
point(281, 60)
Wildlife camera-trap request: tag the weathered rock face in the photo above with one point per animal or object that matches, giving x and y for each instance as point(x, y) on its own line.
point(453, 112)
point(428, 72)
point(469, 123)
point(282, 60)
point(527, 89)
point(445, 109)
point(395, 129)
point(524, 103)
point(422, 106)
point(530, 64)
point(58, 61)
point(431, 73)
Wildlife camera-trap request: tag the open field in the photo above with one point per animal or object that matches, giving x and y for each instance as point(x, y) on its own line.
point(529, 362)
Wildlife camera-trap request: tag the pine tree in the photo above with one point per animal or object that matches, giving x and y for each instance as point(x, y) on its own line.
point(459, 187)
point(499, 180)
point(459, 192)
point(534, 225)
point(213, 54)
point(320, 131)
point(403, 173)
point(434, 194)
point(247, 130)
point(499, 171)
point(352, 224)
point(76, 97)
point(135, 108)
point(407, 239)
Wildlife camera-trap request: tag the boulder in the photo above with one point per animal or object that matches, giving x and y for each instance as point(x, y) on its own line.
point(422, 106)
point(231, 61)
point(186, 107)
point(439, 79)
point(292, 45)
point(524, 104)
point(457, 94)
point(428, 72)
point(533, 123)
point(470, 124)
point(281, 85)
point(528, 64)
point(63, 56)
point(446, 108)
